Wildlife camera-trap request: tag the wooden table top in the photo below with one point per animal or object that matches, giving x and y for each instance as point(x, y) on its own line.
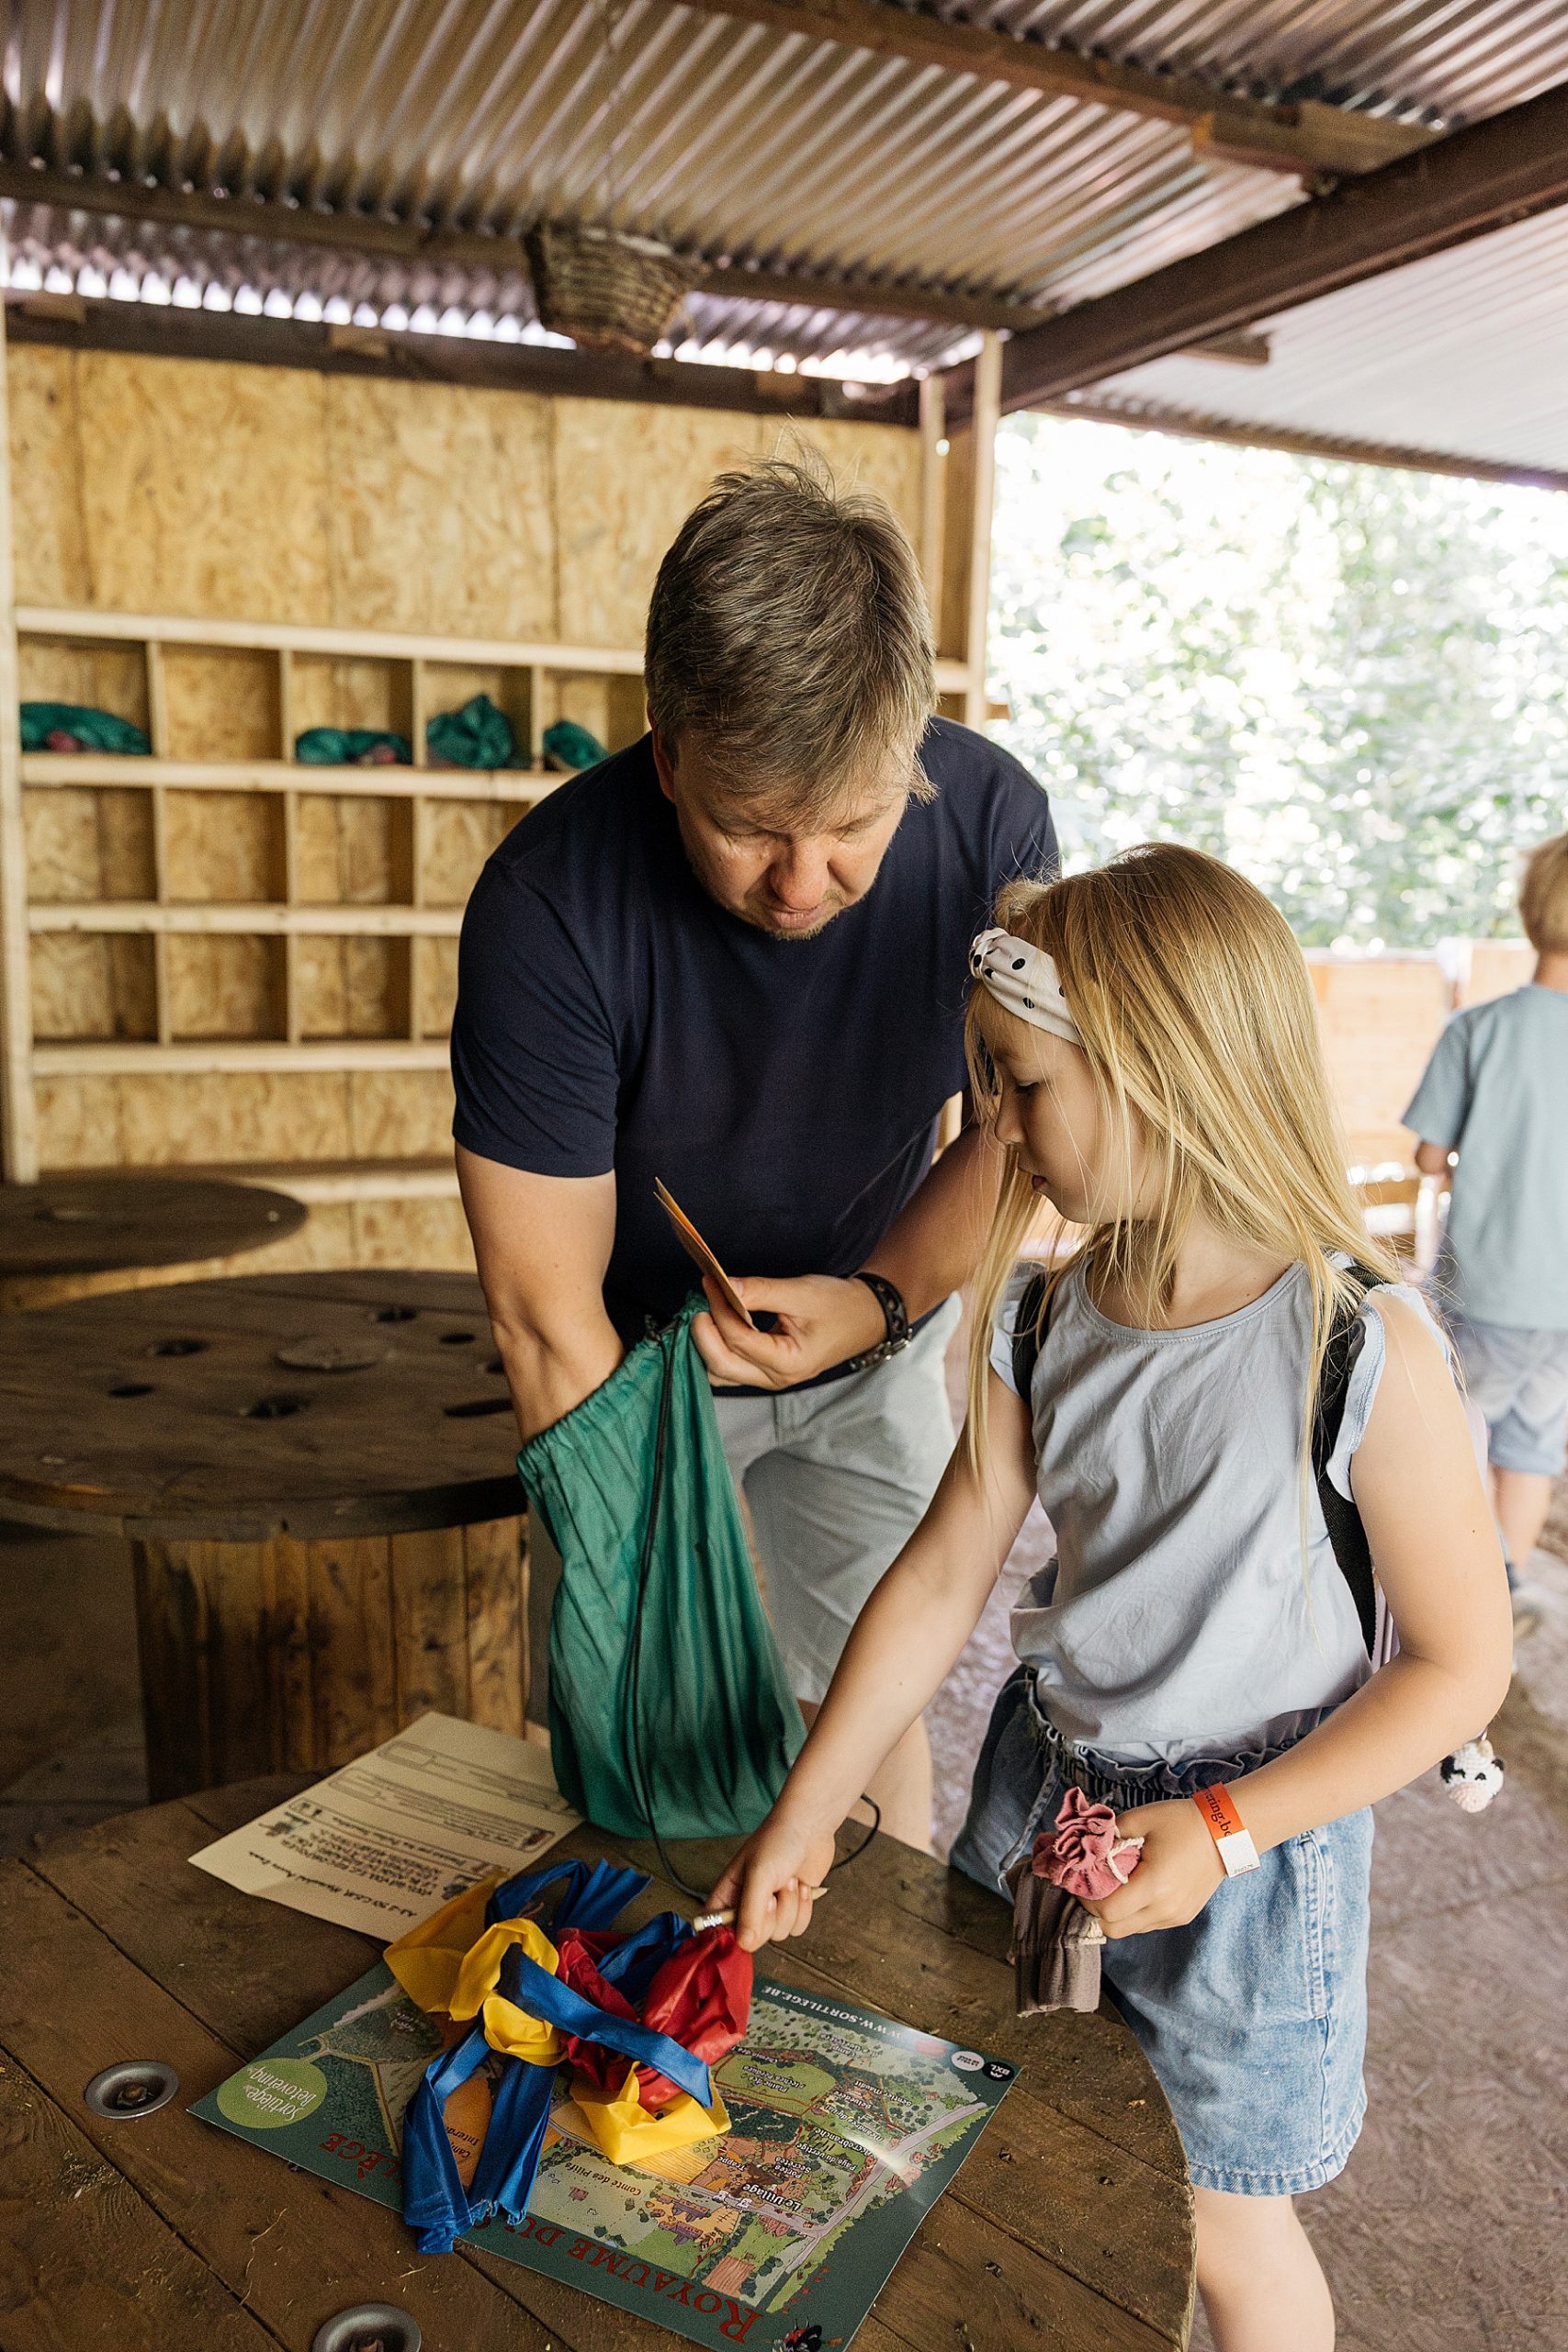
point(90, 1225)
point(1069, 2227)
point(338, 1404)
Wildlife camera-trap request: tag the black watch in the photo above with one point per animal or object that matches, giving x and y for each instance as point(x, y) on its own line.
point(895, 1315)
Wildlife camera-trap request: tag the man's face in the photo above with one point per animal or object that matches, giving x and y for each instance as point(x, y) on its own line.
point(750, 856)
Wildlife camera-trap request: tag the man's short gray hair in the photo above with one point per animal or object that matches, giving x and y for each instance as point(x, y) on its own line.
point(789, 630)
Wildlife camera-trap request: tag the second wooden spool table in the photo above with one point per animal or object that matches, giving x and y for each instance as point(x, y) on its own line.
point(71, 1236)
point(316, 1476)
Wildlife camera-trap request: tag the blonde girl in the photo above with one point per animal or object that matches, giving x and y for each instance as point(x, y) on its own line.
point(1146, 1049)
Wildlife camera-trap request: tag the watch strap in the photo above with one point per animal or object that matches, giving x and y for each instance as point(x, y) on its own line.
point(1233, 1840)
point(895, 1318)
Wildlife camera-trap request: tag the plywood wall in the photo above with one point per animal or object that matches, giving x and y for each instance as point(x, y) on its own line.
point(1493, 967)
point(216, 490)
point(1379, 1017)
point(271, 493)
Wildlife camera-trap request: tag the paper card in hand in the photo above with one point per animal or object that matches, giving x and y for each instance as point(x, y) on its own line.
point(697, 1250)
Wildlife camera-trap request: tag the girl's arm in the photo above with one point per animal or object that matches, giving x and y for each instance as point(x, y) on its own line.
point(1418, 1489)
point(905, 1641)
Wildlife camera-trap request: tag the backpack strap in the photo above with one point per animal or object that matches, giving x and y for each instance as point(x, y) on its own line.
point(1030, 1326)
point(1346, 1536)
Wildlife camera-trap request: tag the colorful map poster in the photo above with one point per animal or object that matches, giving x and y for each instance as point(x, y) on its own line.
point(845, 2129)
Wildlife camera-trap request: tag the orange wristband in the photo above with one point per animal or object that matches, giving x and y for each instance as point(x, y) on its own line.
point(1232, 1840)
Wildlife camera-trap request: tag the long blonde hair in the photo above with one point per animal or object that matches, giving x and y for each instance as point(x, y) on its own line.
point(1196, 1014)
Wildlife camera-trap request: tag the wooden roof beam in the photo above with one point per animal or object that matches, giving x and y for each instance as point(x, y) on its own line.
point(1311, 140)
point(402, 240)
point(363, 233)
point(1478, 179)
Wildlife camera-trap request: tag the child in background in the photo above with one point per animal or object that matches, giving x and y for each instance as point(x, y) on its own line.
point(1144, 1043)
point(1495, 1098)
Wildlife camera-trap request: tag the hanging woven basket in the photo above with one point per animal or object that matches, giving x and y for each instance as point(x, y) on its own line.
point(606, 290)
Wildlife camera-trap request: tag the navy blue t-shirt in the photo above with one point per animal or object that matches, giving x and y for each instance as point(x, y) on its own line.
point(611, 1015)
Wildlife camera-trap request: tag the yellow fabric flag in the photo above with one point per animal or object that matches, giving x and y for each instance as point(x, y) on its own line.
point(627, 2133)
point(451, 1963)
point(426, 1959)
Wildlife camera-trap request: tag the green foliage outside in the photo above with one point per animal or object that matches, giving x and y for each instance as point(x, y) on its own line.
point(1350, 682)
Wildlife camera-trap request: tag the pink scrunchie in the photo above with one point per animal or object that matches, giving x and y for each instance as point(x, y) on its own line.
point(1083, 1854)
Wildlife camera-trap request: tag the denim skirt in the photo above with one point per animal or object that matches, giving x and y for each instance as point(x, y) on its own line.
point(1253, 2016)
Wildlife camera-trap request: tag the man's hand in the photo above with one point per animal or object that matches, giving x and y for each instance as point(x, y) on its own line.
point(1177, 1873)
point(821, 1321)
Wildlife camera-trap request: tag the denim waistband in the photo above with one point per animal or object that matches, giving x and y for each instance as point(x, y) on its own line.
point(1108, 1780)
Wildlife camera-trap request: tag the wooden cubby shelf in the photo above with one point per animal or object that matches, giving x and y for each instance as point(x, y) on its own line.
point(249, 911)
point(102, 769)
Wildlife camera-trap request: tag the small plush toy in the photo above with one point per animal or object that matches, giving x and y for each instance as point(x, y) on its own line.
point(1473, 1775)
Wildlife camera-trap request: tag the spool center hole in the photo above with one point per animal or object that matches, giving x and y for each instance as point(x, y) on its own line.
point(131, 1388)
point(179, 1346)
point(274, 1409)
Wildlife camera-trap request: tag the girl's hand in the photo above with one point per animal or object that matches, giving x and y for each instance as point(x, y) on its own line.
point(1180, 1869)
point(770, 1881)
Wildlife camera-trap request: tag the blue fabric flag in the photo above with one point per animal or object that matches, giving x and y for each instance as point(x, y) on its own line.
point(435, 2205)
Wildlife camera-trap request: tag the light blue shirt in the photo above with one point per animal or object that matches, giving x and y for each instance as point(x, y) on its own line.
point(1182, 1615)
point(1497, 1092)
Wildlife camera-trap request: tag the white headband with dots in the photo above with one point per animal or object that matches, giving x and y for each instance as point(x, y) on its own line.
point(1023, 980)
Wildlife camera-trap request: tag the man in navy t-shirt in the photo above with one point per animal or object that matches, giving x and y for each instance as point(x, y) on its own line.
point(734, 958)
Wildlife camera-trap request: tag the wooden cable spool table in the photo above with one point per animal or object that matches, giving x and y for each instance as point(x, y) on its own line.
point(316, 1474)
point(1069, 2227)
point(70, 1236)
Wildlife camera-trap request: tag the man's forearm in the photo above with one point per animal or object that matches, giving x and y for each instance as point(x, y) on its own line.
point(542, 1244)
point(549, 1375)
point(933, 1247)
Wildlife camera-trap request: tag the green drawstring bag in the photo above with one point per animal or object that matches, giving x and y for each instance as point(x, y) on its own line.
point(477, 736)
point(567, 745)
point(671, 1714)
point(352, 747)
point(77, 726)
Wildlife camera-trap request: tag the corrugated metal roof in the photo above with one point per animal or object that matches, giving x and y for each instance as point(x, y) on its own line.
point(1463, 356)
point(727, 138)
point(733, 141)
point(1452, 63)
point(61, 251)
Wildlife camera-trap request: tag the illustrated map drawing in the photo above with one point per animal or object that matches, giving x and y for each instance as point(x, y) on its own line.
point(845, 2129)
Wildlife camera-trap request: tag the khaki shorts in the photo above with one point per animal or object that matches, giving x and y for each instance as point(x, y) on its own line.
point(1519, 1379)
point(835, 1480)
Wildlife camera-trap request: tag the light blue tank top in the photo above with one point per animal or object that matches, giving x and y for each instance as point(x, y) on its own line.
point(1180, 1617)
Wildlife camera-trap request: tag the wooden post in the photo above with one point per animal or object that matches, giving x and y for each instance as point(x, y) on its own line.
point(18, 1105)
point(535, 716)
point(418, 856)
point(934, 451)
point(158, 736)
point(988, 409)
